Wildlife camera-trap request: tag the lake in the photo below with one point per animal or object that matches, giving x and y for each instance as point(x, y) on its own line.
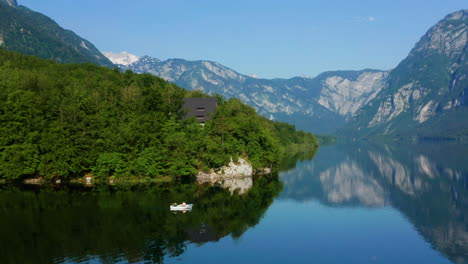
point(351, 203)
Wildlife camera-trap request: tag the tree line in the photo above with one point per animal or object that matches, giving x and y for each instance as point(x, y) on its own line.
point(67, 120)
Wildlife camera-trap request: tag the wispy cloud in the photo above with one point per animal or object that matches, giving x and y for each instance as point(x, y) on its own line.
point(361, 19)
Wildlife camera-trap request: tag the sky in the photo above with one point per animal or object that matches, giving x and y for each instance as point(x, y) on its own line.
point(271, 38)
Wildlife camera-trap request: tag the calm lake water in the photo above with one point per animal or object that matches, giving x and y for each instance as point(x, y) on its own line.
point(350, 204)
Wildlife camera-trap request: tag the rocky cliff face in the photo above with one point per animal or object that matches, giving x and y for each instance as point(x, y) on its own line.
point(346, 96)
point(425, 95)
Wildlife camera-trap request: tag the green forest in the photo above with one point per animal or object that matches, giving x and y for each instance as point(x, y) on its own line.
point(68, 120)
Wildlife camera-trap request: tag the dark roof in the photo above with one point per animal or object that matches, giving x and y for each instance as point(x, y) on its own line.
point(200, 108)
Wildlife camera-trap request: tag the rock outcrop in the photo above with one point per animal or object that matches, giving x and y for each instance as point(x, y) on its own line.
point(240, 169)
point(234, 176)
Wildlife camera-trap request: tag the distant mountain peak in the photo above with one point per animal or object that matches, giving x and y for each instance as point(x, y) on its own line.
point(11, 3)
point(449, 36)
point(458, 15)
point(123, 58)
point(148, 59)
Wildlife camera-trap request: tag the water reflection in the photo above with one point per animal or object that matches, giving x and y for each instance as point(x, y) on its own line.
point(426, 182)
point(234, 184)
point(108, 224)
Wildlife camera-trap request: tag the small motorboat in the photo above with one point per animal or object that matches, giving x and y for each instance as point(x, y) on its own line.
point(181, 207)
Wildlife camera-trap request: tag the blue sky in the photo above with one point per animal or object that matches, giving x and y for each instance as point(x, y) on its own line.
point(271, 38)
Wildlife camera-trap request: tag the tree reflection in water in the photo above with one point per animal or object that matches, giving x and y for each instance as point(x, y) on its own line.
point(118, 223)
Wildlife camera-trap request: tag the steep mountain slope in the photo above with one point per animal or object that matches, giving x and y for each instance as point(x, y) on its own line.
point(25, 31)
point(320, 104)
point(426, 95)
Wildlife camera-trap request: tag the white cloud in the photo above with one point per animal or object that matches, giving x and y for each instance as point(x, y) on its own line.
point(361, 19)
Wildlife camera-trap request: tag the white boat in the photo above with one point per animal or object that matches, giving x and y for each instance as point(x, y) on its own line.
point(181, 207)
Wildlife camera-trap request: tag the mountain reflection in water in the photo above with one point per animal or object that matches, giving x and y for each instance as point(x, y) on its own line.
point(427, 182)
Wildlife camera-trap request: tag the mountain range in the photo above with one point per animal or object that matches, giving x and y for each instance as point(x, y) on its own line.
point(426, 95)
point(28, 32)
point(427, 89)
point(321, 104)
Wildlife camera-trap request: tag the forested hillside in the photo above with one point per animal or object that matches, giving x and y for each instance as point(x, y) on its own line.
point(66, 120)
point(23, 30)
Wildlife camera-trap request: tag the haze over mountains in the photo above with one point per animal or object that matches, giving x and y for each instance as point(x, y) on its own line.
point(427, 89)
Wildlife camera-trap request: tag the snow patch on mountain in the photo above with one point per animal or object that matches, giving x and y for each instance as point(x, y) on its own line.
point(83, 44)
point(123, 58)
